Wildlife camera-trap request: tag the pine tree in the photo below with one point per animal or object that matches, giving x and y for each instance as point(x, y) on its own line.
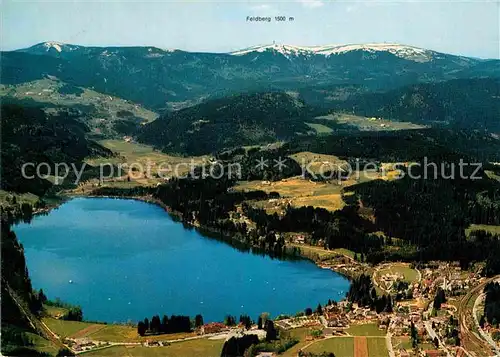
point(198, 321)
point(164, 324)
point(141, 328)
point(414, 335)
point(388, 307)
point(271, 333)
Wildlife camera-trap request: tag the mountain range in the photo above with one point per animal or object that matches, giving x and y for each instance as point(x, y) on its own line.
point(171, 79)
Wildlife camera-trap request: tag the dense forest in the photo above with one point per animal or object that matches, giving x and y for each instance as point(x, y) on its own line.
point(30, 136)
point(174, 324)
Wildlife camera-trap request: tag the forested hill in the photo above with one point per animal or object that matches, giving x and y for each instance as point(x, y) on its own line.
point(247, 119)
point(464, 103)
point(29, 135)
point(405, 145)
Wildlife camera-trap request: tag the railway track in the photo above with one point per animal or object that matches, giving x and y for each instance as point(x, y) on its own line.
point(470, 340)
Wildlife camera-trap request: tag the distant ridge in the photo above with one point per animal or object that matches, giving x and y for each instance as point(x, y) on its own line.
point(162, 79)
point(401, 50)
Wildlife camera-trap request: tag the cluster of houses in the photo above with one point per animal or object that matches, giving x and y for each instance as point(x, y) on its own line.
point(83, 344)
point(213, 327)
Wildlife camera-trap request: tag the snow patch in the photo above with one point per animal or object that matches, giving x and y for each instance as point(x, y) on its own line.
point(54, 45)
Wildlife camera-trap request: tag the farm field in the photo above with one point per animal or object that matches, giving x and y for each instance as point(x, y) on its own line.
point(200, 347)
point(365, 330)
point(65, 328)
point(105, 332)
point(360, 347)
point(340, 346)
point(377, 347)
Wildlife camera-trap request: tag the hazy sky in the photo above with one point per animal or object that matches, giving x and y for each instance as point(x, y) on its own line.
point(462, 27)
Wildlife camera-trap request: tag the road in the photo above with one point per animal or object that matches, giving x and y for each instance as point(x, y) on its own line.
point(388, 343)
point(432, 334)
point(36, 324)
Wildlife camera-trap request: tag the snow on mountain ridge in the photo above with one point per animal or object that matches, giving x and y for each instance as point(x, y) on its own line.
point(403, 51)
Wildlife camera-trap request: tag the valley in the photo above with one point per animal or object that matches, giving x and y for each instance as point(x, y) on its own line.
point(284, 171)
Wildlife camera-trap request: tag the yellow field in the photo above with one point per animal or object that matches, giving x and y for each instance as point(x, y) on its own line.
point(297, 192)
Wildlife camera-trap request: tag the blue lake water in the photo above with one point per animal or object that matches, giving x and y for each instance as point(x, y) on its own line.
point(128, 260)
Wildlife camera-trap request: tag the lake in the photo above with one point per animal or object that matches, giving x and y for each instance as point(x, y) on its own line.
point(128, 260)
